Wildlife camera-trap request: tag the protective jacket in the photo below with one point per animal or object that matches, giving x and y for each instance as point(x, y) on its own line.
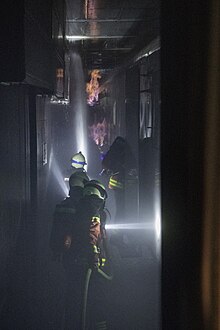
point(119, 160)
point(116, 181)
point(87, 234)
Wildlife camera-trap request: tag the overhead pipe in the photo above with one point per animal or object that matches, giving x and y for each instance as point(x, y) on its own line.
point(87, 37)
point(151, 48)
point(107, 20)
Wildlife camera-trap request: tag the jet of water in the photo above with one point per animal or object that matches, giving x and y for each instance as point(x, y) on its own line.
point(78, 103)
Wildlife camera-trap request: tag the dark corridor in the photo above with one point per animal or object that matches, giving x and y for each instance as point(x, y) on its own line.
point(74, 76)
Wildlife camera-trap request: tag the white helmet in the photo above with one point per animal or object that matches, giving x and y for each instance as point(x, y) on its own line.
point(78, 160)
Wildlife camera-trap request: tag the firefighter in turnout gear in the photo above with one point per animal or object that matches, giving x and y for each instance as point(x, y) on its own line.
point(63, 218)
point(82, 253)
point(120, 166)
point(78, 163)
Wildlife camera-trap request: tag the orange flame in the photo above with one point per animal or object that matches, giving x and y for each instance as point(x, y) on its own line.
point(92, 88)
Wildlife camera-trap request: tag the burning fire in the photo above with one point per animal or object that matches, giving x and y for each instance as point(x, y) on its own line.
point(92, 88)
point(98, 132)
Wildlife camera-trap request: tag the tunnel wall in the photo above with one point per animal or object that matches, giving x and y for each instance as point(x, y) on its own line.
point(30, 54)
point(132, 102)
point(31, 50)
point(149, 134)
point(134, 106)
point(15, 175)
point(29, 192)
point(190, 165)
point(113, 104)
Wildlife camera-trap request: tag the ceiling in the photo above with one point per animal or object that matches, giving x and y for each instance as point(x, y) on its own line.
point(109, 32)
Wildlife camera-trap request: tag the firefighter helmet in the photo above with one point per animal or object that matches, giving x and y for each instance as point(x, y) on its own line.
point(78, 160)
point(76, 182)
point(78, 178)
point(95, 187)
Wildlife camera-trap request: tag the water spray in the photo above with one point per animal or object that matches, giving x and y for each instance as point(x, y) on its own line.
point(54, 168)
point(78, 102)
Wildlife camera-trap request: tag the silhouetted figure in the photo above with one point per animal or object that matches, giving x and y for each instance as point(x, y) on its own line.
point(119, 164)
point(82, 256)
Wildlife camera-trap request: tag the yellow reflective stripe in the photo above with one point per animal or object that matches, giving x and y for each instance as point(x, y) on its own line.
point(115, 183)
point(102, 264)
point(95, 219)
point(95, 249)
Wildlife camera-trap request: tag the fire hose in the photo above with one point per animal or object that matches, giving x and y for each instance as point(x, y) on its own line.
point(85, 293)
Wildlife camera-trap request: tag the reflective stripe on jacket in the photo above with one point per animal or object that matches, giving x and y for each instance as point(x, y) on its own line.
point(114, 183)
